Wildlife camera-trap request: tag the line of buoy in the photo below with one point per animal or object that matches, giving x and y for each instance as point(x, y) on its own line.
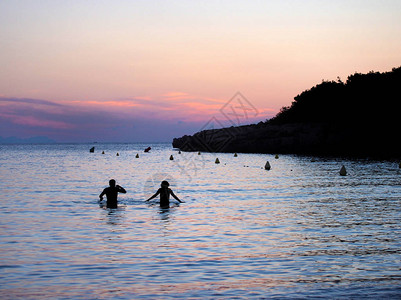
point(343, 170)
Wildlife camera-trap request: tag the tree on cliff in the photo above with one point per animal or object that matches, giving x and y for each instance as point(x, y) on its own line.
point(372, 98)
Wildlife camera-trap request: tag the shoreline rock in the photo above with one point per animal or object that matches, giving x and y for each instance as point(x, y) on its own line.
point(297, 138)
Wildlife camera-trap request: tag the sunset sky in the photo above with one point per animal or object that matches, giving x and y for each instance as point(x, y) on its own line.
point(128, 71)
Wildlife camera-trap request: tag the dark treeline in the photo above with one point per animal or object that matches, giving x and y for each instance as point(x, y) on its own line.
point(359, 117)
point(371, 99)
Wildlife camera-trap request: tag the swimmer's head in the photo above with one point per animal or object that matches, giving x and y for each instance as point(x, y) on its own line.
point(112, 183)
point(165, 183)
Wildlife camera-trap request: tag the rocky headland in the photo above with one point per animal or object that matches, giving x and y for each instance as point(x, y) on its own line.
point(359, 117)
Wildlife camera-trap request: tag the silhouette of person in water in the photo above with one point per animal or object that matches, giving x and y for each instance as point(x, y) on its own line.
point(165, 193)
point(111, 193)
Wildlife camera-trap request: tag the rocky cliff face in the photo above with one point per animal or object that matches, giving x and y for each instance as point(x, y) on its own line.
point(253, 138)
point(297, 138)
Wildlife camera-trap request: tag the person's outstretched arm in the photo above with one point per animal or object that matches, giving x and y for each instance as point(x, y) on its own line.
point(175, 197)
point(121, 189)
point(157, 193)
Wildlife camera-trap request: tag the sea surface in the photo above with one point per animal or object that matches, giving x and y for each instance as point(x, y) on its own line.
point(299, 230)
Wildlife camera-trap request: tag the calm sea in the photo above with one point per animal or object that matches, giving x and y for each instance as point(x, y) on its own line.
point(299, 230)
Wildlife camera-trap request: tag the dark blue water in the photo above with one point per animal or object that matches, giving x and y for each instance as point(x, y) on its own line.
point(299, 230)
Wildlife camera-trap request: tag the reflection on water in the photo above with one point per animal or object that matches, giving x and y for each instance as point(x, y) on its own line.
point(114, 216)
point(299, 230)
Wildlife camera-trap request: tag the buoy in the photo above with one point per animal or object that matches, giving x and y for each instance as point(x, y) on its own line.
point(267, 166)
point(137, 155)
point(343, 171)
point(91, 150)
point(118, 154)
point(102, 152)
point(179, 152)
point(235, 154)
point(198, 153)
point(217, 161)
point(171, 157)
point(276, 157)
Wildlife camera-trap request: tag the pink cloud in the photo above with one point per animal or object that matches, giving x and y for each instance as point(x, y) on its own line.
point(117, 103)
point(36, 122)
point(168, 106)
point(175, 95)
